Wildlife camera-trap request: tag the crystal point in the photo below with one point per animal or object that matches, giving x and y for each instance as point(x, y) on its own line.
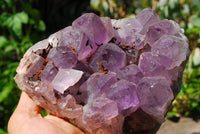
point(110, 56)
point(66, 78)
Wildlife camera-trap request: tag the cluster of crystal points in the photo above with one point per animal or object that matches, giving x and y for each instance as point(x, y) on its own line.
point(108, 76)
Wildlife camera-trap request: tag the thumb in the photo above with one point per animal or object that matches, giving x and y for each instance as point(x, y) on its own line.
point(26, 109)
point(27, 106)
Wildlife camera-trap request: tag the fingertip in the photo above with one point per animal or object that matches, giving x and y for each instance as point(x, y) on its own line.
point(27, 106)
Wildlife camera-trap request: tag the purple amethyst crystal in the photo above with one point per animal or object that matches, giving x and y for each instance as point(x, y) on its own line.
point(109, 56)
point(108, 76)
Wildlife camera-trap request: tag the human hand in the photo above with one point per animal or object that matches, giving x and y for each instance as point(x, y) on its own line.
point(27, 120)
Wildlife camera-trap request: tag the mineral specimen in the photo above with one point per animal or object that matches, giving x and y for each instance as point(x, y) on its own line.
point(108, 76)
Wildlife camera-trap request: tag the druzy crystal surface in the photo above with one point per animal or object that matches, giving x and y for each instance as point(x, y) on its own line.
point(108, 76)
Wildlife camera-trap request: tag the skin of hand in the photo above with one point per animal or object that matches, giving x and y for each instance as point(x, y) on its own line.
point(27, 119)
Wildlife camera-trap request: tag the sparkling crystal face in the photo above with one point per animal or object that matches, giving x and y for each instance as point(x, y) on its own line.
point(100, 73)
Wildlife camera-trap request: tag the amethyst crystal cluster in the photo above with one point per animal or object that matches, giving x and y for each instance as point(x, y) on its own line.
point(108, 76)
